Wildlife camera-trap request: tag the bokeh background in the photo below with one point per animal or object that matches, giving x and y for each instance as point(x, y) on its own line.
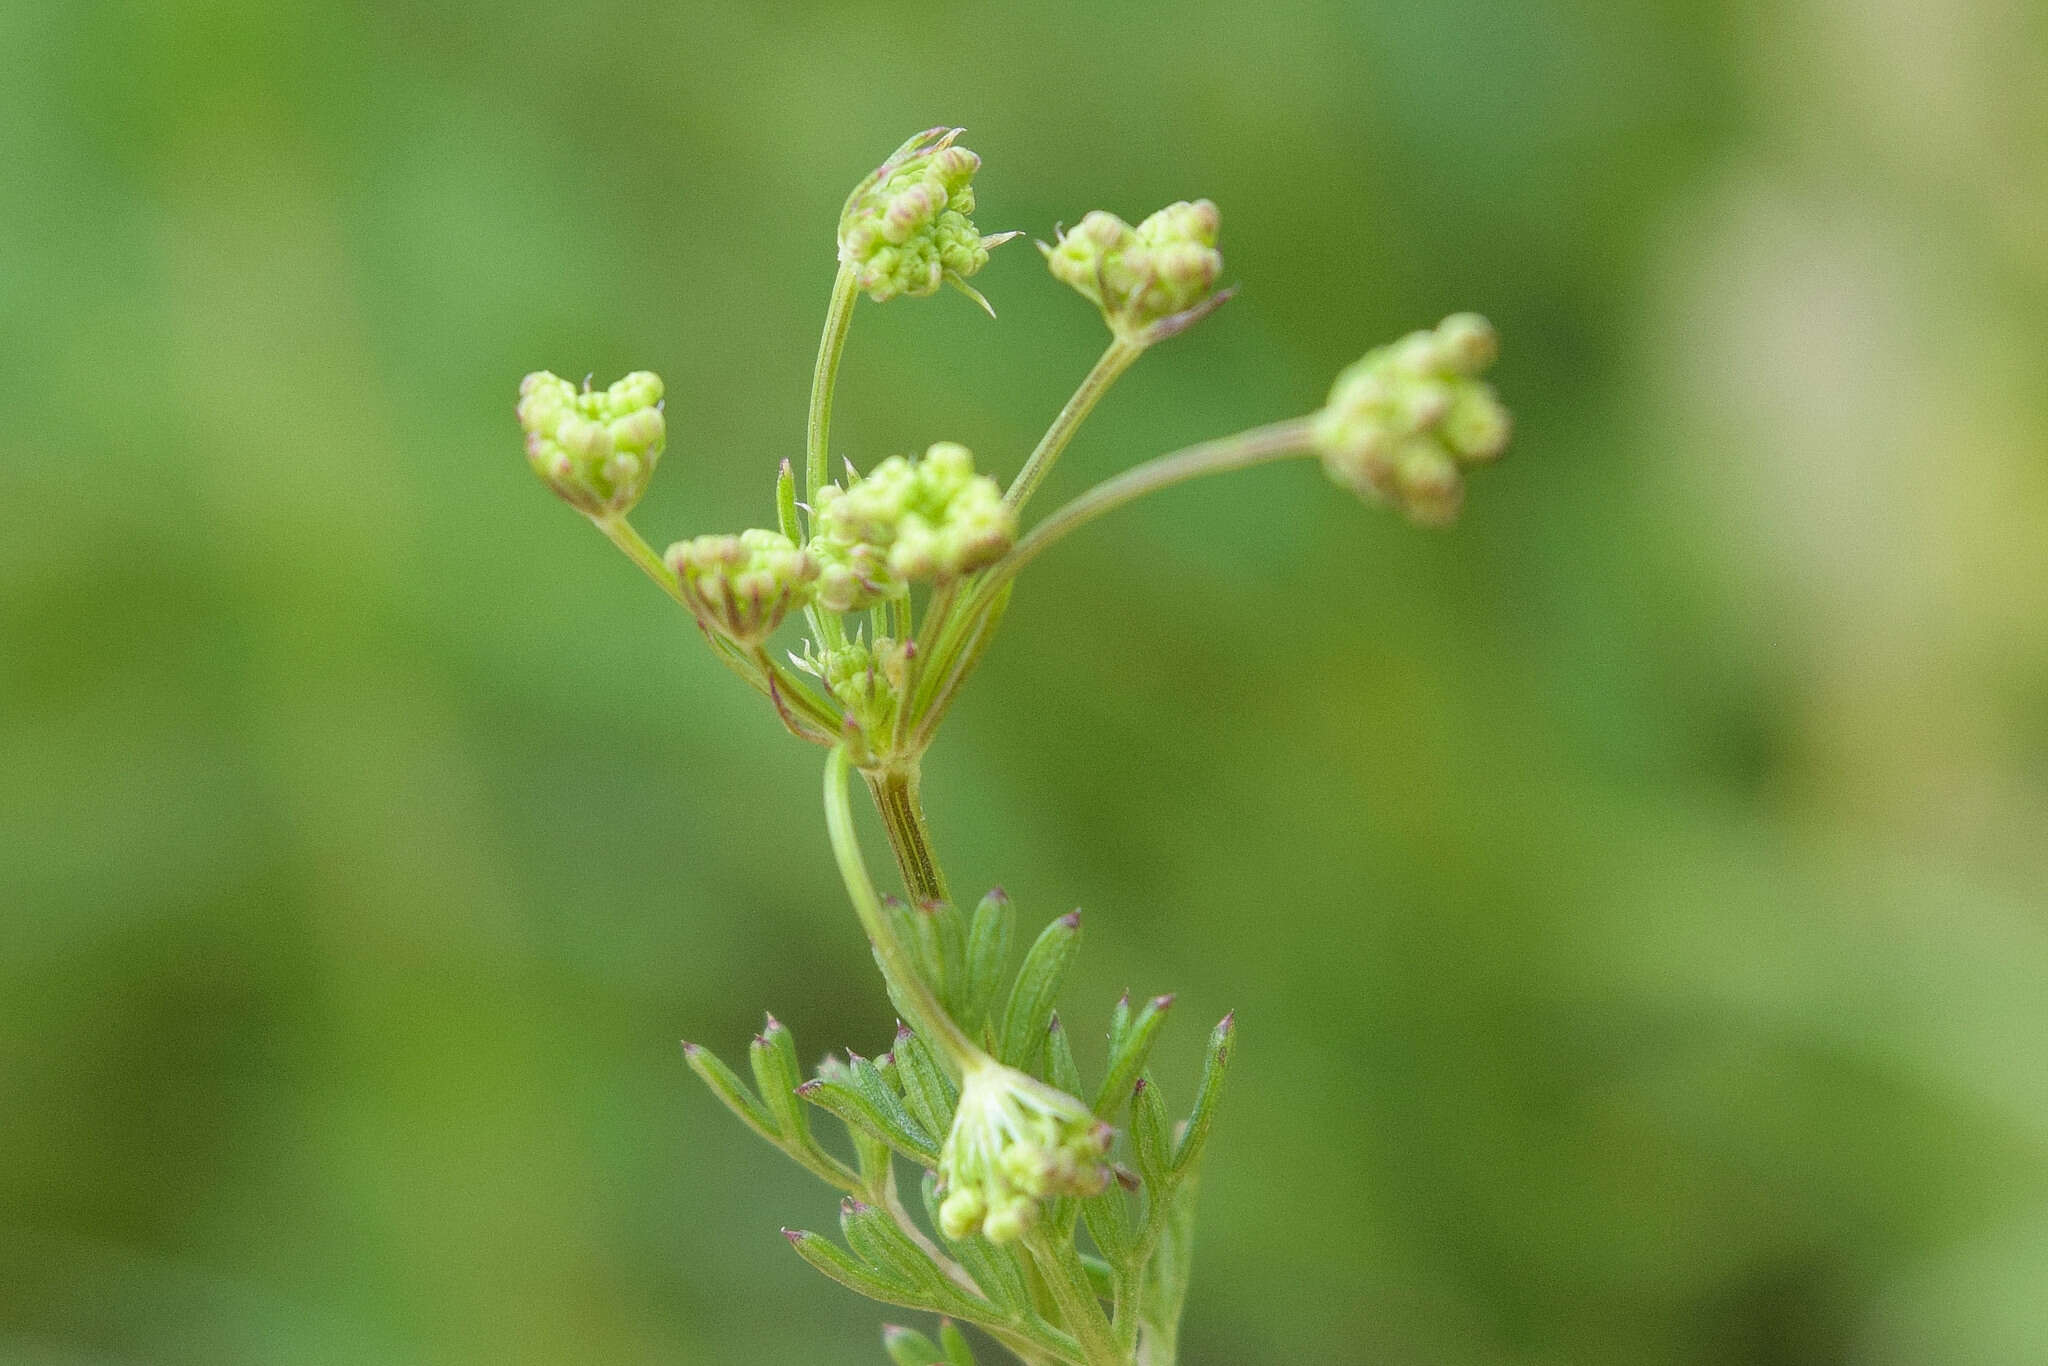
point(1634, 900)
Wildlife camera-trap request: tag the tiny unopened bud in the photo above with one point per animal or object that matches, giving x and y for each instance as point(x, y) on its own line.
point(1401, 423)
point(1015, 1142)
point(595, 448)
point(1150, 280)
point(907, 228)
point(742, 586)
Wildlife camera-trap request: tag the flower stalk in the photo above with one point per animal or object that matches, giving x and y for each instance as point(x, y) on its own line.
point(901, 576)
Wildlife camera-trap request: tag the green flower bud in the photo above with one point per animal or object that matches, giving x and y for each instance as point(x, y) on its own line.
point(1149, 281)
point(742, 586)
point(1402, 423)
point(907, 521)
point(1015, 1142)
point(595, 448)
point(906, 228)
point(865, 677)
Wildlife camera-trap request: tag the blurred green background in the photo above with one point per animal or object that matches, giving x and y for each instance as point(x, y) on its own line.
point(1633, 899)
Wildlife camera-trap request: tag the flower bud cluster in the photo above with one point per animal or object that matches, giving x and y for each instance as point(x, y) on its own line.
point(1401, 422)
point(866, 677)
point(907, 521)
point(595, 448)
point(906, 229)
point(742, 586)
point(1016, 1141)
point(1145, 275)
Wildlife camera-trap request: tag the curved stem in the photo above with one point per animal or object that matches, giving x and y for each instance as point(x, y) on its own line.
point(824, 378)
point(634, 547)
point(826, 627)
point(1116, 359)
point(896, 962)
point(1276, 441)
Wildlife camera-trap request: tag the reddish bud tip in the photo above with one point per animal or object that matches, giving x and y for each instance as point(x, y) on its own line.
point(1163, 1002)
point(1071, 920)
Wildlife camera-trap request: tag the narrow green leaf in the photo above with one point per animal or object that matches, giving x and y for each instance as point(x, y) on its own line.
point(727, 1086)
point(1130, 1048)
point(1109, 1222)
point(830, 1258)
point(913, 932)
point(776, 1072)
point(874, 1156)
point(1038, 985)
point(785, 504)
point(1101, 1278)
point(1060, 1068)
point(1215, 1063)
point(991, 938)
point(1119, 1022)
point(876, 1240)
point(947, 932)
point(908, 1347)
point(958, 1353)
point(860, 1115)
point(881, 1088)
point(928, 1093)
point(1149, 1139)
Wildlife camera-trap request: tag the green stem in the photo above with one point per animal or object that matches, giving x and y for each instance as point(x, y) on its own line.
point(826, 627)
point(634, 547)
point(803, 712)
point(940, 619)
point(896, 962)
point(824, 378)
point(1114, 360)
point(895, 790)
point(1276, 441)
point(1068, 1282)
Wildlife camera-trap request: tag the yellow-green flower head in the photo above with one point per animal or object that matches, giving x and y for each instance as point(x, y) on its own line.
point(1143, 277)
point(907, 229)
point(1015, 1142)
point(1402, 422)
point(596, 448)
point(907, 521)
point(742, 586)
